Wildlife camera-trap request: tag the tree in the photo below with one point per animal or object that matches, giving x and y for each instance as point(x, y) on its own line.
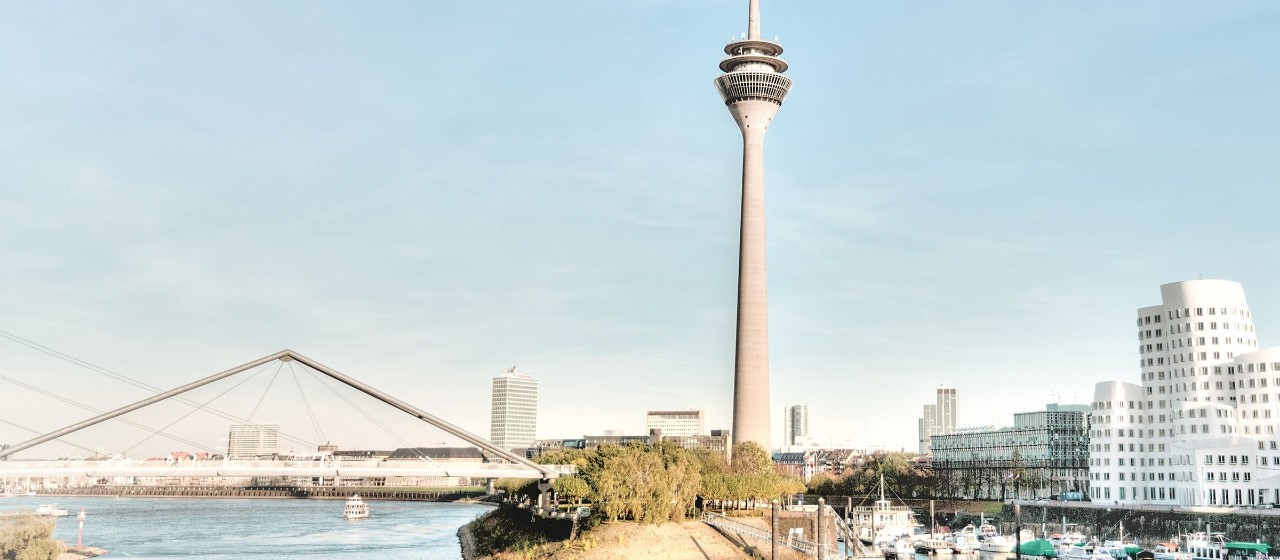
point(750, 458)
point(27, 537)
point(573, 487)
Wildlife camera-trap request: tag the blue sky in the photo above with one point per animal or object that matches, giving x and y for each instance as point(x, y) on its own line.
point(978, 194)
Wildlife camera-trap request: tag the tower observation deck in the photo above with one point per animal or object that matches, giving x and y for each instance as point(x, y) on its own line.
point(753, 89)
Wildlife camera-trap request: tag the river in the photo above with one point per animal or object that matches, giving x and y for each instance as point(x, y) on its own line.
point(259, 528)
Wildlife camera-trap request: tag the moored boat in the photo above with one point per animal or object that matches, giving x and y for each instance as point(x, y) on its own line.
point(883, 523)
point(1247, 551)
point(1168, 552)
point(1038, 548)
point(901, 549)
point(1205, 545)
point(997, 544)
point(934, 546)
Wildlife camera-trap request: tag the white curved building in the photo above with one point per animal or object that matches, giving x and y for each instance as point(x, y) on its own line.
point(1201, 429)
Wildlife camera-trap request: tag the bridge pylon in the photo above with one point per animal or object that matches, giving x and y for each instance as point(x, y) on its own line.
point(543, 472)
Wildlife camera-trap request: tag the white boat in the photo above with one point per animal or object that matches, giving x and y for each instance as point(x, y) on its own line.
point(933, 546)
point(996, 543)
point(1065, 540)
point(901, 549)
point(883, 524)
point(1205, 545)
point(965, 541)
point(356, 508)
point(51, 510)
point(1165, 552)
point(986, 531)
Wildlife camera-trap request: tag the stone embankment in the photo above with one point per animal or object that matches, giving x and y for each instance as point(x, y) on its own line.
point(330, 493)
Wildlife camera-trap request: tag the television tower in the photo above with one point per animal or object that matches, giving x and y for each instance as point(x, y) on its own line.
point(753, 88)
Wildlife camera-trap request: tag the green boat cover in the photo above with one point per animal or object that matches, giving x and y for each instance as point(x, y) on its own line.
point(1039, 547)
point(1132, 549)
point(1260, 547)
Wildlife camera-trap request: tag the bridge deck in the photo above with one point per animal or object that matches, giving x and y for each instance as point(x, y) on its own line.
point(194, 469)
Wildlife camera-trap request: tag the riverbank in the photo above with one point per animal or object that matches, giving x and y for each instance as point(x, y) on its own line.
point(81, 553)
point(511, 533)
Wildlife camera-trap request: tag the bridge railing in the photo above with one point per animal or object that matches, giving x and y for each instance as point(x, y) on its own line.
point(810, 548)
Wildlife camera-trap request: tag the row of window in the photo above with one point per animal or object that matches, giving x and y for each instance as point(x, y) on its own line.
point(1189, 357)
point(1199, 312)
point(1191, 341)
point(1204, 370)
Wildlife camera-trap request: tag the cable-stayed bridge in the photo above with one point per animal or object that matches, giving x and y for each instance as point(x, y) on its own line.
point(330, 469)
point(498, 462)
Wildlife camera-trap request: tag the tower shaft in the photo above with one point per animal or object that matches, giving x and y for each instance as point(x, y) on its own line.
point(751, 404)
point(753, 88)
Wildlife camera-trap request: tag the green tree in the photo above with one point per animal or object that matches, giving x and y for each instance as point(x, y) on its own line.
point(750, 458)
point(27, 537)
point(573, 487)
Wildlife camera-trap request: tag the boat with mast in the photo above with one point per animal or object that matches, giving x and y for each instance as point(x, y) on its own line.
point(883, 523)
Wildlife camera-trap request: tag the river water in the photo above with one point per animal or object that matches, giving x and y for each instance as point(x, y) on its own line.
point(259, 528)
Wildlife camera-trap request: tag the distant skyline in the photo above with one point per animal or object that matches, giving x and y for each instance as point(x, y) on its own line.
point(421, 196)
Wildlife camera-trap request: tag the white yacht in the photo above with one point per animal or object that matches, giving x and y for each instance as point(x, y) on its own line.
point(933, 546)
point(356, 508)
point(901, 549)
point(997, 544)
point(51, 510)
point(965, 541)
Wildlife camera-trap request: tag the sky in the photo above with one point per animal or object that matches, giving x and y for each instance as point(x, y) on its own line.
point(421, 195)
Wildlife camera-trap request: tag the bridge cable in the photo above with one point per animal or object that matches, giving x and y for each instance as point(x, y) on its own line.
point(376, 422)
point(194, 410)
point(314, 423)
point(264, 392)
point(97, 411)
point(126, 379)
point(60, 440)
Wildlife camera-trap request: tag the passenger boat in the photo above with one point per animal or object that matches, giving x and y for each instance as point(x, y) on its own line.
point(1205, 545)
point(356, 508)
point(51, 510)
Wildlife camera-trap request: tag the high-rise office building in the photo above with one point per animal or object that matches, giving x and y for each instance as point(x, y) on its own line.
point(1201, 428)
point(753, 88)
point(513, 418)
point(675, 422)
point(252, 441)
point(795, 424)
point(939, 417)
